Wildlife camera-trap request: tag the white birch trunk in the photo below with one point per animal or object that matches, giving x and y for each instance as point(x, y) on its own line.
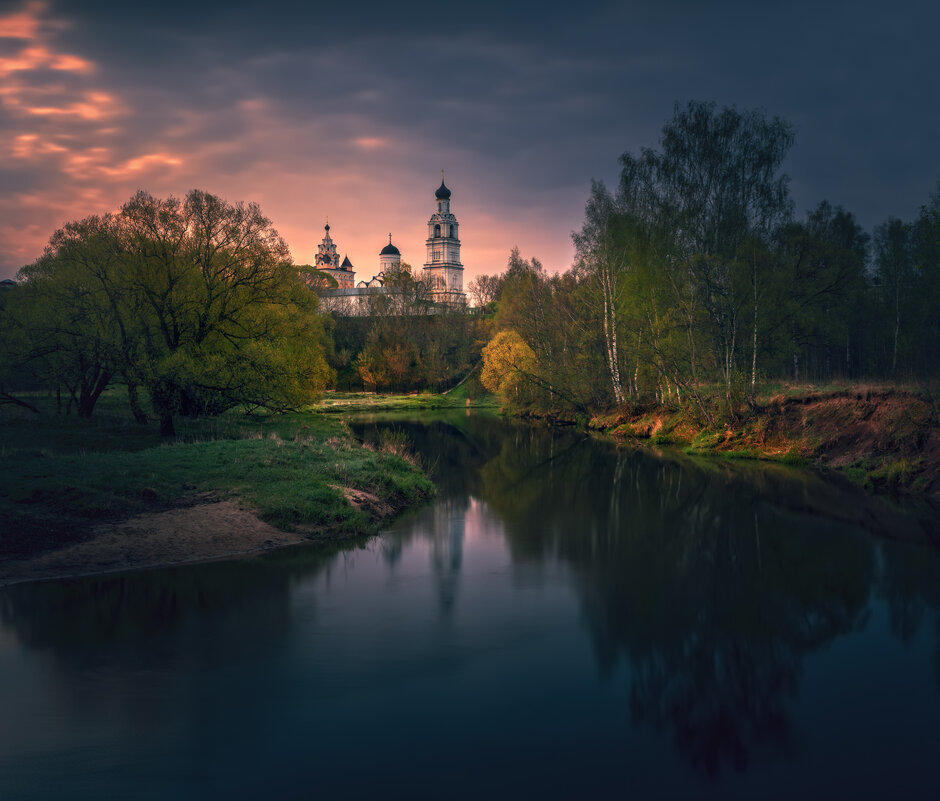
point(610, 332)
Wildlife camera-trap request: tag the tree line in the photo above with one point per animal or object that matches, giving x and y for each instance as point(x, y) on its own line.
point(693, 281)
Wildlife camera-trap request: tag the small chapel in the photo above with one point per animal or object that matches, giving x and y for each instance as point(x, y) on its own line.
point(442, 272)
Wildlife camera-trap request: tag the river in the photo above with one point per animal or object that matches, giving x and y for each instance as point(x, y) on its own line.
point(568, 619)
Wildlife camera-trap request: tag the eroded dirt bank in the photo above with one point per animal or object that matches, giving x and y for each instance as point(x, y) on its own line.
point(884, 439)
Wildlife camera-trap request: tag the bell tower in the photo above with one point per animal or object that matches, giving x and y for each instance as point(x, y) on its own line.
point(328, 262)
point(443, 272)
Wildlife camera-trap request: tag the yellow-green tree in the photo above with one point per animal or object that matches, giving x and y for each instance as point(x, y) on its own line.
point(195, 301)
point(509, 368)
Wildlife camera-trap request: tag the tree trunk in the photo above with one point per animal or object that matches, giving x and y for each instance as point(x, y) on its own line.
point(136, 409)
point(610, 334)
point(754, 355)
point(897, 328)
point(90, 393)
point(848, 357)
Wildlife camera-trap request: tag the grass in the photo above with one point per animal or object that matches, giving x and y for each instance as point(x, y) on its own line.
point(889, 474)
point(61, 472)
point(347, 402)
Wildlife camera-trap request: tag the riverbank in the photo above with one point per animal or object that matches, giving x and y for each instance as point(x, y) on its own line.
point(102, 495)
point(882, 438)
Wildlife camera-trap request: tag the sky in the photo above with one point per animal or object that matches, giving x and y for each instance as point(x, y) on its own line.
point(349, 111)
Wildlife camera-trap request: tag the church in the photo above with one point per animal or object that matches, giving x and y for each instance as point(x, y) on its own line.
point(441, 276)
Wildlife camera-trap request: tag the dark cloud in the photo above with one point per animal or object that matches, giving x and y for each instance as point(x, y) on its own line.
point(524, 102)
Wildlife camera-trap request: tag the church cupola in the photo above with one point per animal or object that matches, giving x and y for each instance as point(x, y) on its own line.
point(443, 197)
point(389, 256)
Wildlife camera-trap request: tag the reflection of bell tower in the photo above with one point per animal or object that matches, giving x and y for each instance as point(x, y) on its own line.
point(328, 262)
point(443, 272)
point(448, 533)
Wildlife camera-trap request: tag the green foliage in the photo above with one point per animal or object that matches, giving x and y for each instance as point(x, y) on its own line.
point(538, 310)
point(196, 301)
point(396, 351)
point(693, 282)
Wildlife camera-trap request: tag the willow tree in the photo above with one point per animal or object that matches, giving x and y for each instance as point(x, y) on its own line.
point(225, 319)
point(195, 301)
point(67, 318)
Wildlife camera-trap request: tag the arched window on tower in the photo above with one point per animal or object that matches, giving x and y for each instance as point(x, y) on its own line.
point(437, 230)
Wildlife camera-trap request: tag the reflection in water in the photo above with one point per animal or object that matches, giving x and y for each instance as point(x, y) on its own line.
point(75, 619)
point(712, 582)
point(910, 585)
point(702, 597)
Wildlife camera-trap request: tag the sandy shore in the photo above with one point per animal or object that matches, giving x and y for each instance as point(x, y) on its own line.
point(207, 531)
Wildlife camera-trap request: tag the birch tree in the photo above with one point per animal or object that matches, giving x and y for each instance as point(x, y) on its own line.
point(601, 261)
point(715, 185)
point(894, 271)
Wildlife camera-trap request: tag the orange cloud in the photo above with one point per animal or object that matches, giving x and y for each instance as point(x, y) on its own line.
point(38, 57)
point(22, 25)
point(141, 163)
point(27, 146)
point(93, 106)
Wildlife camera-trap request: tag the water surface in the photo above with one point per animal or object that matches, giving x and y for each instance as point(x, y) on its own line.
point(567, 619)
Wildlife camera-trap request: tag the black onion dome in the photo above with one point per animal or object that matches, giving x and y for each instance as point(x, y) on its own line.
point(390, 250)
point(442, 193)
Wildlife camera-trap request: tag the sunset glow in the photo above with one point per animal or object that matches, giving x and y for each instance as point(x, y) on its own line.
point(359, 131)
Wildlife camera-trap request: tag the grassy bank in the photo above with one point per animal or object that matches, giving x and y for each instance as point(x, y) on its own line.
point(302, 472)
point(882, 437)
point(348, 402)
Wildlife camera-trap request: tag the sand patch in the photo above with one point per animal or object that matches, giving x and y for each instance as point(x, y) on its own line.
point(212, 530)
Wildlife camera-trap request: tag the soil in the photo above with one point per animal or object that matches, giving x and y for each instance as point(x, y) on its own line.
point(207, 529)
point(889, 439)
point(873, 430)
point(216, 529)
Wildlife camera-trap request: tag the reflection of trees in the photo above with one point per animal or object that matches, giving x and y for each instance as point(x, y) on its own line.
point(79, 617)
point(910, 586)
point(716, 616)
point(714, 580)
point(453, 446)
point(705, 581)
